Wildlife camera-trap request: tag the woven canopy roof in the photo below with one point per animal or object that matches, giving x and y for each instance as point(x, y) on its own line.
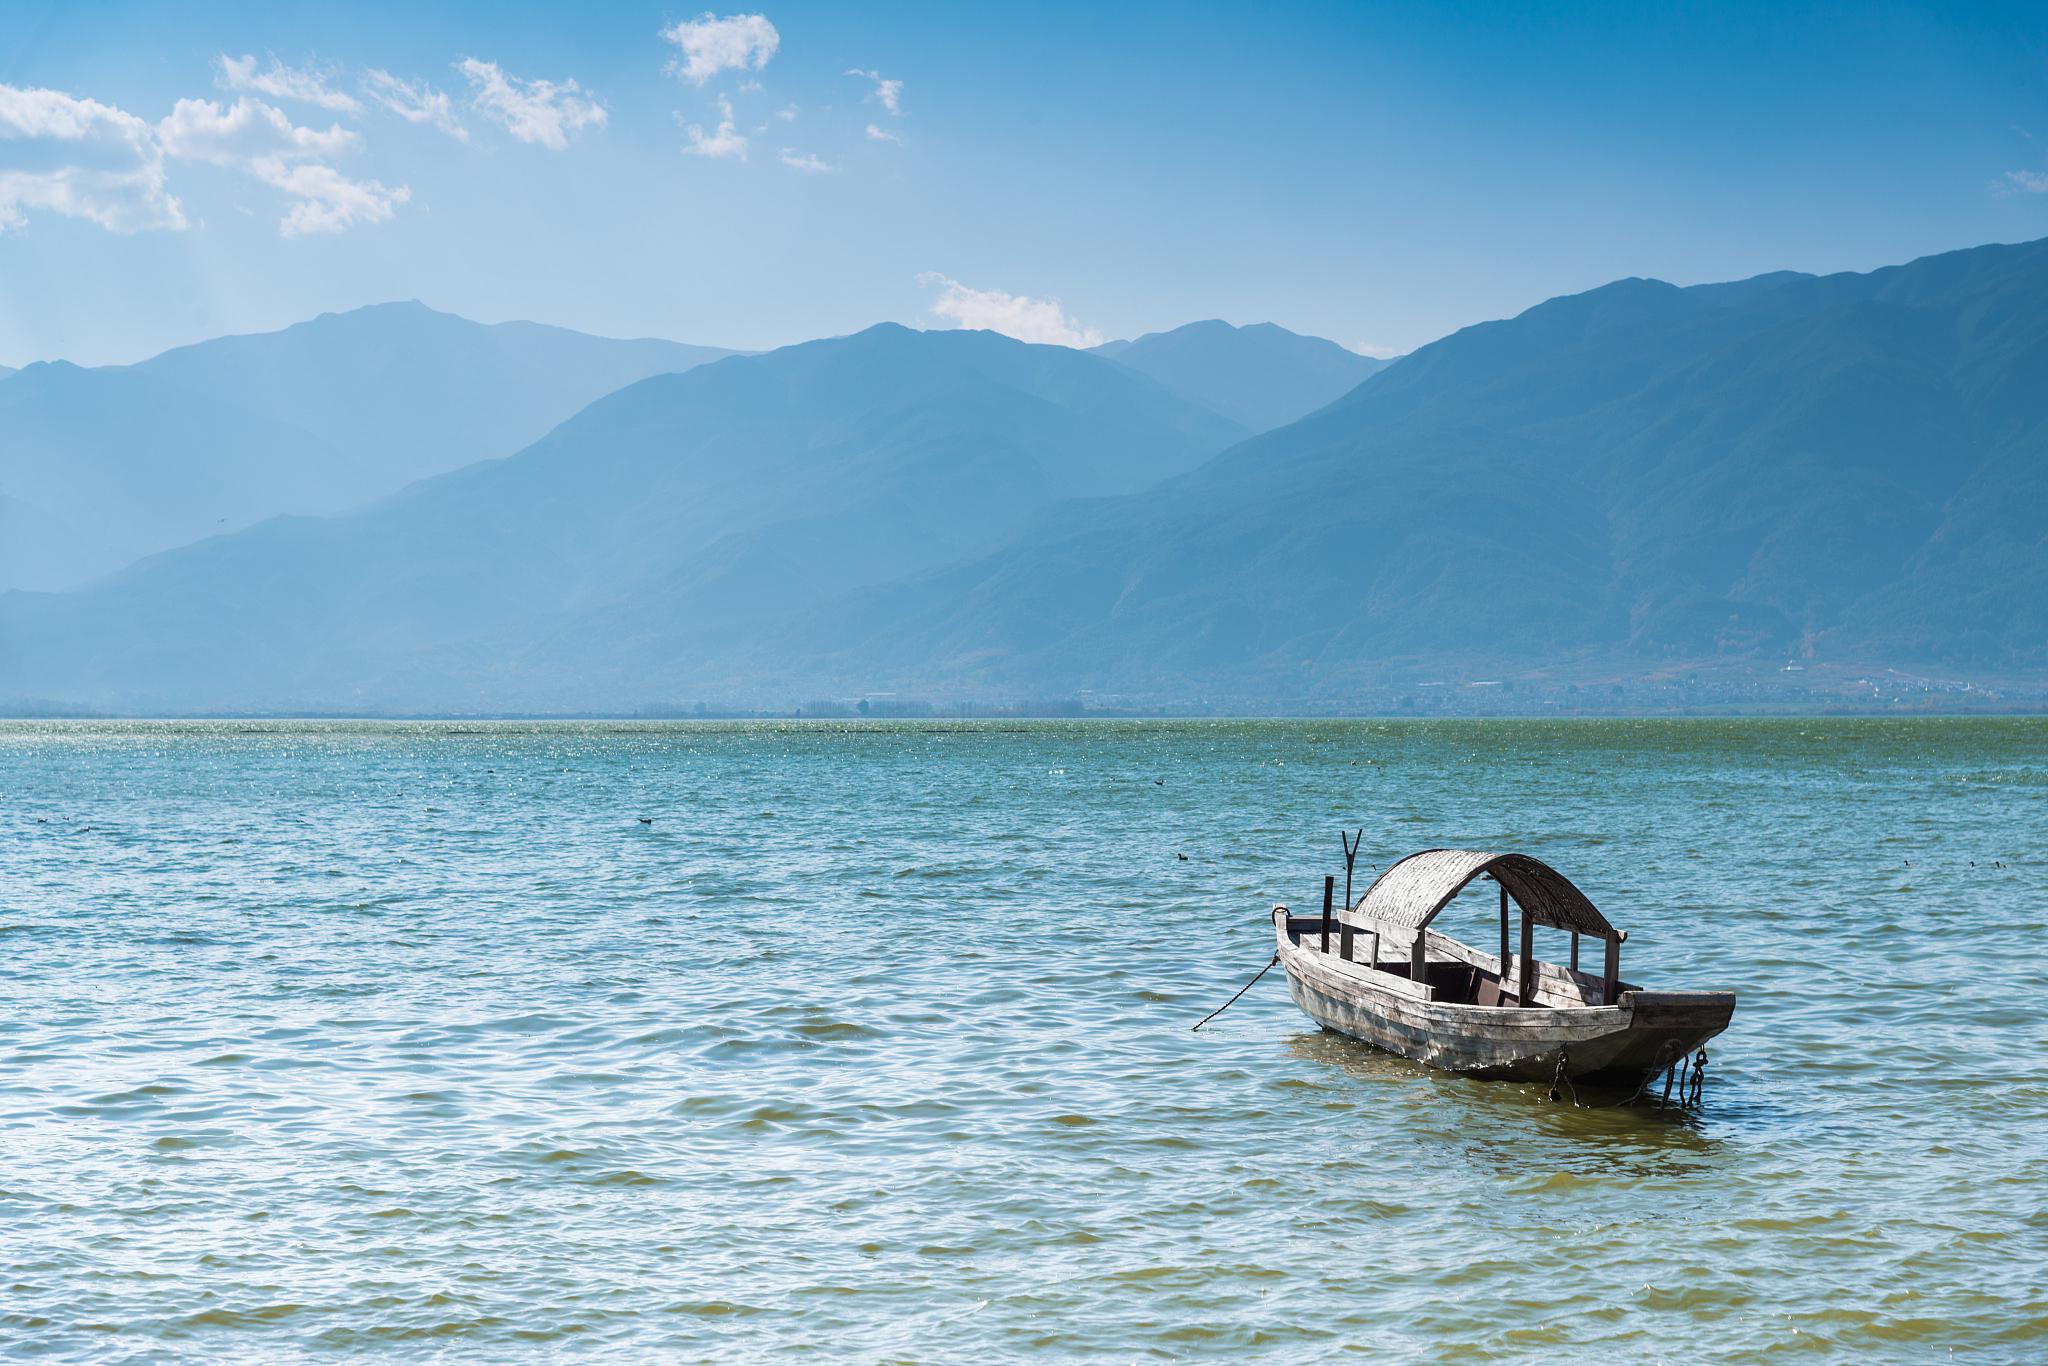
point(1410, 893)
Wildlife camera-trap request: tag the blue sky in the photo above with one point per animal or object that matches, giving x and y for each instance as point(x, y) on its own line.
point(1378, 174)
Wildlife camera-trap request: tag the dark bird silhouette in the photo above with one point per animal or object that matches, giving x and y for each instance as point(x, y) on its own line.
point(1159, 782)
point(647, 820)
point(1182, 857)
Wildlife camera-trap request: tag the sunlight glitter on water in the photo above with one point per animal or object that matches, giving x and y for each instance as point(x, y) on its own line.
point(327, 1036)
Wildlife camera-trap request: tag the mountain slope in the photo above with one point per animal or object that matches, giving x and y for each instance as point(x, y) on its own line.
point(101, 466)
point(1852, 467)
point(637, 543)
point(1261, 375)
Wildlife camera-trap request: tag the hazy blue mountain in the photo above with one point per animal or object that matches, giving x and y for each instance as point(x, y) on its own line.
point(1262, 375)
point(638, 543)
point(100, 466)
point(1852, 467)
point(6, 370)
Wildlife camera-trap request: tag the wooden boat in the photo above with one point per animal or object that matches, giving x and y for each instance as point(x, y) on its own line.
point(1379, 973)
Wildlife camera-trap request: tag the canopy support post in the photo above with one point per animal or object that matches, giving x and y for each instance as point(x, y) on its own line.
point(1575, 950)
point(1329, 891)
point(1504, 966)
point(1526, 990)
point(1418, 959)
point(1611, 978)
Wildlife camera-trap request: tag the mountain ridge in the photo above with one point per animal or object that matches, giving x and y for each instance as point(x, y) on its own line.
point(310, 418)
point(1841, 471)
point(677, 509)
point(1260, 374)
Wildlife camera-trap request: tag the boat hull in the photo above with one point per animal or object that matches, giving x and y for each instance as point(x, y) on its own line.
point(1641, 1034)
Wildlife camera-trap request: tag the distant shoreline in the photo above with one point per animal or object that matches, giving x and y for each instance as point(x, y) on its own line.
point(1756, 713)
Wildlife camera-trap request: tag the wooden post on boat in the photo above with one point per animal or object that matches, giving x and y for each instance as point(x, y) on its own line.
point(1526, 990)
point(1351, 848)
point(1504, 968)
point(1418, 959)
point(1575, 950)
point(1329, 891)
point(1611, 978)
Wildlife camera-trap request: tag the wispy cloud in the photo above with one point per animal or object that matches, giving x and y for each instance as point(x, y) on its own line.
point(532, 111)
point(2027, 182)
point(807, 161)
point(787, 113)
point(1013, 315)
point(301, 84)
point(877, 133)
point(889, 93)
point(725, 141)
point(81, 159)
point(710, 45)
point(262, 142)
point(415, 102)
point(202, 130)
point(84, 159)
point(328, 201)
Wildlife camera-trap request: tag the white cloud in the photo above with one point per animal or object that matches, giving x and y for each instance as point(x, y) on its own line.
point(1013, 315)
point(787, 113)
point(260, 141)
point(808, 161)
point(1374, 350)
point(710, 45)
point(877, 133)
point(81, 159)
point(302, 84)
point(89, 160)
point(889, 92)
point(328, 201)
point(532, 111)
point(727, 141)
point(415, 102)
point(2027, 182)
point(200, 130)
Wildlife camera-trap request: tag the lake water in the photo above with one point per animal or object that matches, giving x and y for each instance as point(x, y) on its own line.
point(321, 1038)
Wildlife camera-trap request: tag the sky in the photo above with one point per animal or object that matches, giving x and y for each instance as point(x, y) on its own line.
point(1379, 174)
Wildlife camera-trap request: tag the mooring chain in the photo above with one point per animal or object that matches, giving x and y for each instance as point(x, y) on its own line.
point(1240, 991)
point(1561, 1079)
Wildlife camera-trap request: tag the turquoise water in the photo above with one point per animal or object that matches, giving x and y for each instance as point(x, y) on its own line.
point(320, 1038)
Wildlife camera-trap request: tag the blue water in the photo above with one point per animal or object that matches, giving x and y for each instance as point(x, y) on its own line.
point(321, 1038)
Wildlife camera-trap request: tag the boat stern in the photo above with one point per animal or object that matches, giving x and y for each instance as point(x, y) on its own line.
point(1665, 1026)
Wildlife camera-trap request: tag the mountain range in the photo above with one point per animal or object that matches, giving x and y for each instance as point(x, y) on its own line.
point(1848, 469)
point(101, 466)
point(636, 543)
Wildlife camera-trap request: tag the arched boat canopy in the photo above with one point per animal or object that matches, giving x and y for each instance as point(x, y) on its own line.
point(1410, 893)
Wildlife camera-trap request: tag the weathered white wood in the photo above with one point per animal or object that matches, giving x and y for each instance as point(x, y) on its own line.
point(1555, 985)
point(1637, 1035)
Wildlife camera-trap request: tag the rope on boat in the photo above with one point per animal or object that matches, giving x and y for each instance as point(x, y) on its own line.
point(1240, 991)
